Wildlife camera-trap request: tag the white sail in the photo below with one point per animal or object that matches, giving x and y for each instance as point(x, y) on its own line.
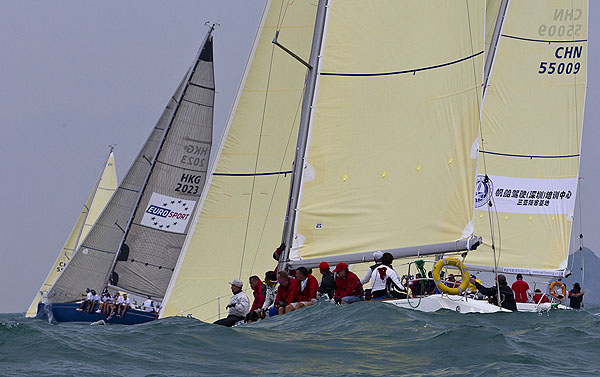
point(99, 197)
point(173, 156)
point(242, 211)
point(530, 138)
point(389, 162)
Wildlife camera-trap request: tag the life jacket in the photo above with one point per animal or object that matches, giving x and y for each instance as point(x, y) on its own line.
point(310, 289)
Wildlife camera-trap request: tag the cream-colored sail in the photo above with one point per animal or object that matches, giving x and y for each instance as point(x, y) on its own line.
point(96, 202)
point(242, 212)
point(389, 159)
point(530, 137)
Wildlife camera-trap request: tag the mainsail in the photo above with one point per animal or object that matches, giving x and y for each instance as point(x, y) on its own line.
point(389, 161)
point(531, 128)
point(99, 197)
point(145, 223)
point(242, 211)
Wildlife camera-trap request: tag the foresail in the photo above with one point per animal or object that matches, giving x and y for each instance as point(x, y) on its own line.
point(389, 162)
point(161, 222)
point(93, 260)
point(99, 197)
point(241, 213)
point(531, 136)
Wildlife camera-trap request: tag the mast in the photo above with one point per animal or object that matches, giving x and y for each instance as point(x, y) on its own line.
point(158, 150)
point(305, 118)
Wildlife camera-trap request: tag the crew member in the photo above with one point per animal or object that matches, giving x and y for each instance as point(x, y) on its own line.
point(239, 304)
point(383, 277)
point(377, 259)
point(507, 297)
point(259, 290)
point(575, 296)
point(307, 290)
point(348, 288)
point(271, 294)
point(539, 297)
point(521, 289)
point(327, 286)
point(287, 291)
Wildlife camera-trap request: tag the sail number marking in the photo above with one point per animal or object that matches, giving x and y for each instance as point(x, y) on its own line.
point(559, 68)
point(193, 151)
point(563, 15)
point(189, 183)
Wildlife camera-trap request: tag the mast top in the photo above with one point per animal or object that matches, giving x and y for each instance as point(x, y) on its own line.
point(211, 27)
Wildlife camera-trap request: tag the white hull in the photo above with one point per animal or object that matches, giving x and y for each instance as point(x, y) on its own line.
point(463, 305)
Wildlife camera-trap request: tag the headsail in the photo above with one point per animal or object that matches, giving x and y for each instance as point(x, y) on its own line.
point(168, 168)
point(99, 197)
point(242, 211)
point(389, 159)
point(530, 137)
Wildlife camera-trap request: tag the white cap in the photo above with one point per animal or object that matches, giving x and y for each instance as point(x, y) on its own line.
point(237, 283)
point(378, 255)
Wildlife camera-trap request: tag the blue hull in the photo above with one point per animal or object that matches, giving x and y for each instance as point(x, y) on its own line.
point(65, 312)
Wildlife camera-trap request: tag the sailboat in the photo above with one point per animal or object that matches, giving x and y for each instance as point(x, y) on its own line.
point(101, 193)
point(135, 243)
point(397, 111)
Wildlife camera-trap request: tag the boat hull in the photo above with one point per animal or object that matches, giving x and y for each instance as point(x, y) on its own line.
point(66, 312)
point(464, 305)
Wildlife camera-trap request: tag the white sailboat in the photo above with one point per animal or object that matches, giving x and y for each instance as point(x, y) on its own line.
point(135, 243)
point(401, 105)
point(99, 197)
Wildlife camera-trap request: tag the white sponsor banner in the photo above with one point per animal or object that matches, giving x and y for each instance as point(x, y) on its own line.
point(167, 213)
point(526, 195)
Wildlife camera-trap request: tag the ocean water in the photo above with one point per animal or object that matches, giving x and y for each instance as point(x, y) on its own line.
point(359, 339)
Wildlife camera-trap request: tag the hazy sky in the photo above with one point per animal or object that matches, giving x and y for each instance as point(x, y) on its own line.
point(79, 75)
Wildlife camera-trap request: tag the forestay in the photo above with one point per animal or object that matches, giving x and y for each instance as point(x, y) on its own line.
point(97, 201)
point(531, 136)
point(389, 160)
point(241, 214)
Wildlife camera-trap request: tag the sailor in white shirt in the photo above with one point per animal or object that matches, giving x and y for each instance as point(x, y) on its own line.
point(95, 301)
point(125, 302)
point(118, 300)
point(377, 258)
point(383, 274)
point(87, 301)
point(239, 305)
point(148, 305)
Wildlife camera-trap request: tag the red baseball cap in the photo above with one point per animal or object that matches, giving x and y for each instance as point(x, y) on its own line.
point(340, 266)
point(324, 266)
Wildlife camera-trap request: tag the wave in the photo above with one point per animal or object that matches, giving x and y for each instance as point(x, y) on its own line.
point(359, 339)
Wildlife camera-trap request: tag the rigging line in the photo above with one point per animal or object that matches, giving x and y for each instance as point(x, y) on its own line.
point(262, 123)
point(413, 70)
point(281, 172)
point(543, 40)
point(277, 181)
point(284, 13)
point(484, 152)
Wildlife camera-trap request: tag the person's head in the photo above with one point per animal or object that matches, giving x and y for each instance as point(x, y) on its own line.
point(271, 278)
point(451, 277)
point(87, 290)
point(519, 277)
point(117, 294)
point(283, 278)
point(537, 291)
point(502, 280)
point(341, 269)
point(254, 282)
point(236, 286)
point(377, 256)
point(430, 275)
point(323, 267)
point(301, 273)
point(387, 259)
point(418, 276)
point(576, 286)
point(125, 296)
point(94, 292)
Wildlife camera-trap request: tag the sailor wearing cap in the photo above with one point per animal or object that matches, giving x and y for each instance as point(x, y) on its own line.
point(239, 305)
point(377, 258)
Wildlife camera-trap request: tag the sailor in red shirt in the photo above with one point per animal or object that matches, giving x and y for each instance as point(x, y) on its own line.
point(287, 291)
point(348, 288)
point(521, 289)
point(307, 290)
point(259, 290)
point(539, 297)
